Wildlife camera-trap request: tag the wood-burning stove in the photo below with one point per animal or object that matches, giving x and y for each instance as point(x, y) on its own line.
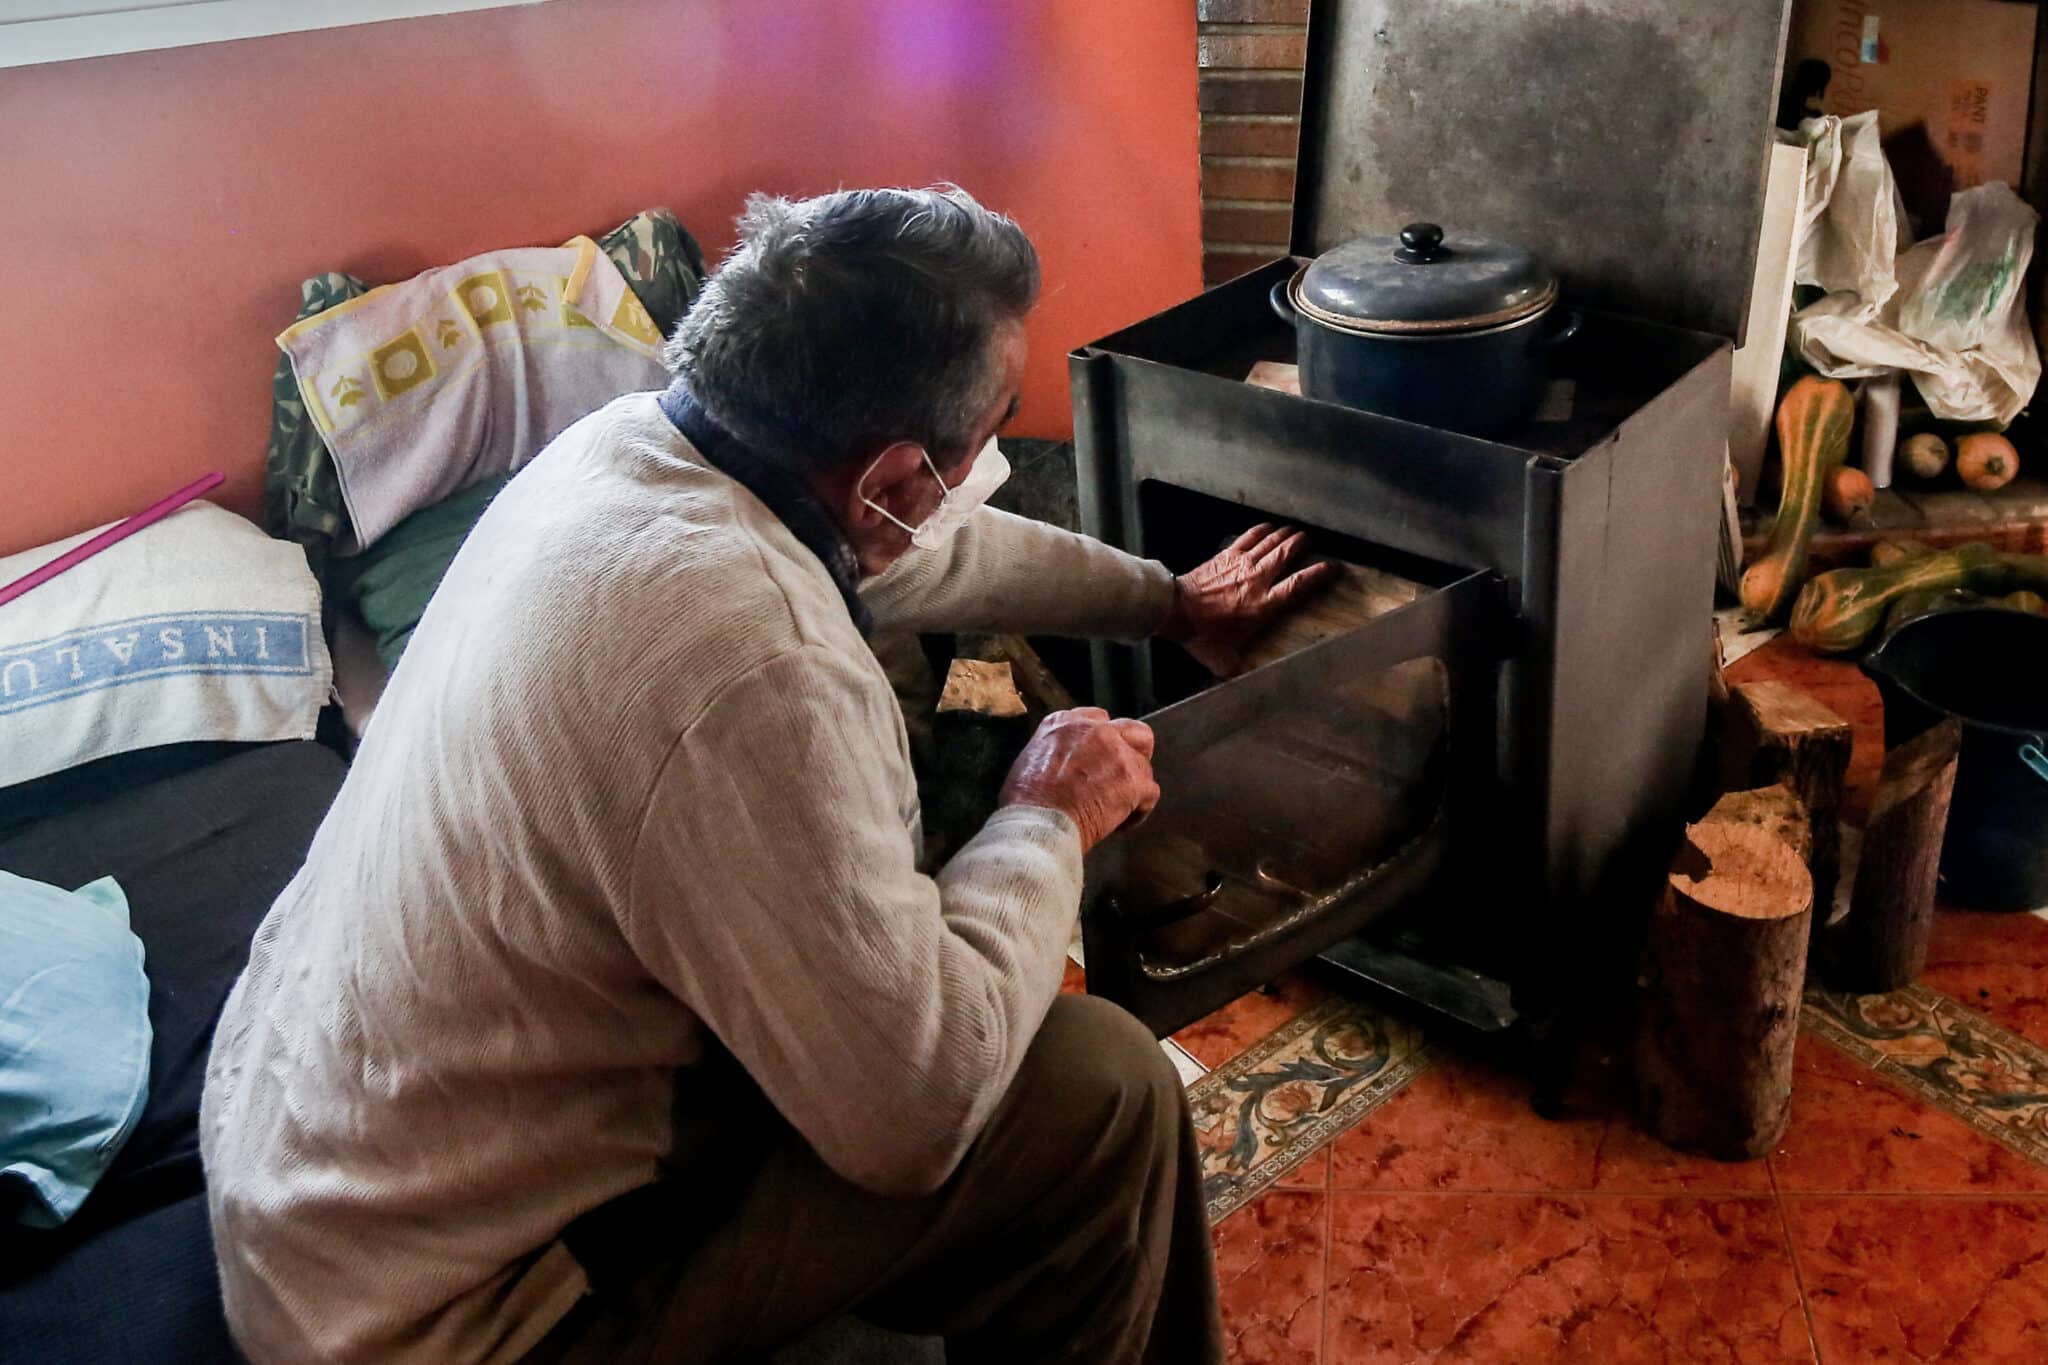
point(1469, 799)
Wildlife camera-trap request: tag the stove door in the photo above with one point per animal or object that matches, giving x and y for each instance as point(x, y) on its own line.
point(1299, 802)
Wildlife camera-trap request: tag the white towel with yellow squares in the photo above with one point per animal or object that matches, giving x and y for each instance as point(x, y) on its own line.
point(423, 388)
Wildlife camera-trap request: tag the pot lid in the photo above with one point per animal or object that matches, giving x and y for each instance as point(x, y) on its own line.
point(1423, 281)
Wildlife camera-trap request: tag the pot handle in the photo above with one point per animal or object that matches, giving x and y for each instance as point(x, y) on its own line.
point(1278, 298)
point(2031, 755)
point(1566, 330)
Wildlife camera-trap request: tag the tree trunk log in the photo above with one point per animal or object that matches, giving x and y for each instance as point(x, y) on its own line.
point(981, 688)
point(979, 729)
point(1724, 965)
point(1883, 944)
point(1043, 690)
point(1776, 810)
point(1777, 733)
point(1706, 772)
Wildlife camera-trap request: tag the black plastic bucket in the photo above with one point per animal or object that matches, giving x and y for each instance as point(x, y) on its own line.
point(1988, 667)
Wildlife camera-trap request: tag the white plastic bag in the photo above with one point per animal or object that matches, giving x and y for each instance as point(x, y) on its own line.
point(1841, 338)
point(1975, 270)
point(1962, 295)
point(1852, 222)
point(1950, 311)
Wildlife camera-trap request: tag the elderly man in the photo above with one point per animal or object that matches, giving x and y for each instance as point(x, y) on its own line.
point(611, 1017)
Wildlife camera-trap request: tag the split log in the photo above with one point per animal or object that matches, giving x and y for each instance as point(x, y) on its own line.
point(1776, 810)
point(1724, 966)
point(1883, 945)
point(1356, 596)
point(1717, 677)
point(1776, 734)
point(982, 688)
point(979, 729)
point(1413, 694)
point(1041, 688)
point(1706, 772)
point(1276, 374)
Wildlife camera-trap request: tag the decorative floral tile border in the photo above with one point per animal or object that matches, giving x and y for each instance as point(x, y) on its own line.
point(1989, 1077)
point(1267, 1109)
point(1261, 1113)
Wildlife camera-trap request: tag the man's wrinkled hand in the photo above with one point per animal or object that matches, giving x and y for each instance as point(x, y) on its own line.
point(1221, 606)
point(1096, 770)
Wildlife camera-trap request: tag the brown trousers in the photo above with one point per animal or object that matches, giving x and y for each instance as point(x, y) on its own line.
point(1074, 1230)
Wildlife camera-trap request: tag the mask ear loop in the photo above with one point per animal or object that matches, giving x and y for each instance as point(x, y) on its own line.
point(860, 490)
point(982, 462)
point(959, 503)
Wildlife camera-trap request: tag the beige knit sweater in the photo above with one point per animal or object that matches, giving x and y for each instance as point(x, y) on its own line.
point(638, 782)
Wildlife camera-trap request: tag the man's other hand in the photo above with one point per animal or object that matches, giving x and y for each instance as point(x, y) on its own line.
point(1096, 770)
point(1221, 606)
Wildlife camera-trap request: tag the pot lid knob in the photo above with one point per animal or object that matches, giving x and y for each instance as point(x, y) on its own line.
point(1421, 243)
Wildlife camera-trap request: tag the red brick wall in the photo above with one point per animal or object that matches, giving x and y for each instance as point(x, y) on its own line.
point(1250, 54)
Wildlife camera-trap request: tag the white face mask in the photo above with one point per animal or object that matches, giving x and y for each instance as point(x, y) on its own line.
point(957, 504)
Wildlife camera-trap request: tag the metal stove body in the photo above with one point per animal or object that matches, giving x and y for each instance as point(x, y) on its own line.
point(1469, 799)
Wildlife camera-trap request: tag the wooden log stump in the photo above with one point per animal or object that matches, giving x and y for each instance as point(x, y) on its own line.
point(1777, 734)
point(1724, 966)
point(1776, 810)
point(981, 688)
point(1706, 774)
point(1883, 944)
point(978, 730)
point(1041, 688)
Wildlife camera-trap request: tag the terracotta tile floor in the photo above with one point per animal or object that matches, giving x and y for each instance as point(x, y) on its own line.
point(1453, 1224)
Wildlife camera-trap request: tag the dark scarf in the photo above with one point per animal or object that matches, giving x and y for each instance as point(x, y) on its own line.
point(781, 492)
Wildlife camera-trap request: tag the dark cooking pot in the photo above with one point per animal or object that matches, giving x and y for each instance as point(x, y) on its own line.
point(1452, 332)
point(1984, 666)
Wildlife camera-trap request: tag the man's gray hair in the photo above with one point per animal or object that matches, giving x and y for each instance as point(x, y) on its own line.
point(842, 324)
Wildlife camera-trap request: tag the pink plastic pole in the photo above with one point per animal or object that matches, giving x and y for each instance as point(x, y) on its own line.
point(120, 531)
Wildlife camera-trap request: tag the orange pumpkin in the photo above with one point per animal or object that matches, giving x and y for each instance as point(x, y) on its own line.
point(1847, 494)
point(1987, 461)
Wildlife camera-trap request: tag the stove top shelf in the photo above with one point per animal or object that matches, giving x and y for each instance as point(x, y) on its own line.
point(1615, 367)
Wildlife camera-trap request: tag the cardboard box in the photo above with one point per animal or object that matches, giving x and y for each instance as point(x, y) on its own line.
point(1963, 69)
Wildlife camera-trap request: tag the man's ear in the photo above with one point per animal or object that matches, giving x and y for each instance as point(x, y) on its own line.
point(891, 481)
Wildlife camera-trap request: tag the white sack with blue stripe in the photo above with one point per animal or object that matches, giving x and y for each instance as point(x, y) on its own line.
point(197, 628)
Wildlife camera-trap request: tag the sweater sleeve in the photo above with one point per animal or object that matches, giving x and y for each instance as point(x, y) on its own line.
point(775, 892)
point(1009, 573)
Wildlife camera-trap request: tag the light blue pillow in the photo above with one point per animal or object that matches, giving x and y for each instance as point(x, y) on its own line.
point(74, 1040)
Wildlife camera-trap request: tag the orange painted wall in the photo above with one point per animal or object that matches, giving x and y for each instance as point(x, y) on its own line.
point(158, 210)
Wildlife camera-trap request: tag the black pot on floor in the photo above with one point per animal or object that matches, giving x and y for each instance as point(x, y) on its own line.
point(1450, 332)
point(1988, 667)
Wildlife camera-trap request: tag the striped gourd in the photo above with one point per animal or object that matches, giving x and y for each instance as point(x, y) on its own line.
point(2025, 573)
point(1814, 419)
point(1886, 553)
point(1911, 606)
point(1839, 610)
point(2027, 600)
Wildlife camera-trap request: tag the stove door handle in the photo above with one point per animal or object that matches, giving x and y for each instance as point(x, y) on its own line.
point(1173, 912)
